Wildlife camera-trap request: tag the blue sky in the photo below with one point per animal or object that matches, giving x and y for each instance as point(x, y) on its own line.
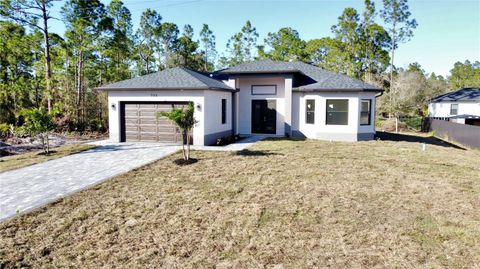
point(448, 31)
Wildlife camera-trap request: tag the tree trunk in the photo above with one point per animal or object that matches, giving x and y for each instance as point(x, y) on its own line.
point(396, 123)
point(78, 85)
point(205, 64)
point(48, 68)
point(188, 145)
point(183, 145)
point(147, 65)
point(42, 136)
point(48, 145)
point(392, 88)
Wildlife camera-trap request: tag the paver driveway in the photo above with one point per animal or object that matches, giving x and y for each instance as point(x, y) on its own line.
point(36, 185)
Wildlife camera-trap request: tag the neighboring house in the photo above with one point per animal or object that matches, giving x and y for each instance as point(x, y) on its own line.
point(462, 106)
point(262, 97)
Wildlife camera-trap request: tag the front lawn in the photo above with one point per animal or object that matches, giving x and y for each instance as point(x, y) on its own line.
point(300, 204)
point(30, 158)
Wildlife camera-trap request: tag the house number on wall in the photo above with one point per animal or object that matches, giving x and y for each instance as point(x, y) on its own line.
point(153, 95)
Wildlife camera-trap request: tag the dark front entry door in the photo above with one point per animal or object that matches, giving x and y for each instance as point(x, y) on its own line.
point(264, 116)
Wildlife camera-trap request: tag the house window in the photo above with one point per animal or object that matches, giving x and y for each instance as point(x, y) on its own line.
point(365, 111)
point(453, 109)
point(337, 112)
point(264, 89)
point(310, 111)
point(224, 111)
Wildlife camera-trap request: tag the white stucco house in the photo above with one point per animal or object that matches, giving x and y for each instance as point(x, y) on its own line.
point(462, 106)
point(291, 99)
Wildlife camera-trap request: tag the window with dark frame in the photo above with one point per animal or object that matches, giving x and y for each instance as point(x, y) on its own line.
point(224, 111)
point(310, 111)
point(453, 109)
point(337, 112)
point(365, 111)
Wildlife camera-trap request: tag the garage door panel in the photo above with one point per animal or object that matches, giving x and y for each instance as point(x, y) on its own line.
point(147, 129)
point(143, 124)
point(131, 130)
point(165, 122)
point(147, 106)
point(132, 138)
point(131, 107)
point(148, 121)
point(148, 114)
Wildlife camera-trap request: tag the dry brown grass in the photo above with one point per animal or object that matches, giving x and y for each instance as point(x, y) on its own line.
point(30, 158)
point(300, 204)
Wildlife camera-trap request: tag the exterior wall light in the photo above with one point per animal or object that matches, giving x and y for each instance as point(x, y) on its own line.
point(113, 105)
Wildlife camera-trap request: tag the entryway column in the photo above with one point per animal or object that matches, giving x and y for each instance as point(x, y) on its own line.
point(288, 105)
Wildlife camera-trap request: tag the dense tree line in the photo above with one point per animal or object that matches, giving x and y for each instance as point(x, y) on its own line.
point(58, 72)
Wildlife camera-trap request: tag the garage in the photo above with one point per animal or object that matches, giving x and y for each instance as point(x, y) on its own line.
point(141, 124)
point(133, 106)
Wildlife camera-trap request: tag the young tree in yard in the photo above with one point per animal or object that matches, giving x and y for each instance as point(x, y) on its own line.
point(39, 122)
point(35, 14)
point(400, 27)
point(207, 42)
point(184, 119)
point(285, 45)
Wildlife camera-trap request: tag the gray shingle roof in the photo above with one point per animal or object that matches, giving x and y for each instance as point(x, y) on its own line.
point(465, 116)
point(174, 78)
point(465, 94)
point(320, 79)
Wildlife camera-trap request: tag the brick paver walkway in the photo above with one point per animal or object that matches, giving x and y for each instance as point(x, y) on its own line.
point(32, 186)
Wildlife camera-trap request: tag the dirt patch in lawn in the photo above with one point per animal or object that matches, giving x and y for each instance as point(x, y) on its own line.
point(297, 204)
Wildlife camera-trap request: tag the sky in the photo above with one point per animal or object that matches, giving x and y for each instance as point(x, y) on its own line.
point(447, 32)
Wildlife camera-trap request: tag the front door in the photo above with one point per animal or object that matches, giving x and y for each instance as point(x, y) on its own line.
point(264, 116)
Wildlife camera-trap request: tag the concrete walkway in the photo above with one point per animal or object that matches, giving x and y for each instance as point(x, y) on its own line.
point(27, 188)
point(240, 145)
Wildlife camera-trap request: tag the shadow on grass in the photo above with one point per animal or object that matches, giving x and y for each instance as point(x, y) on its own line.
point(51, 152)
point(386, 136)
point(247, 152)
point(182, 162)
point(284, 138)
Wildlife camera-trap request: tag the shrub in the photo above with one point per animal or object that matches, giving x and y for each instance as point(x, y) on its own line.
point(38, 122)
point(226, 140)
point(5, 130)
point(413, 122)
